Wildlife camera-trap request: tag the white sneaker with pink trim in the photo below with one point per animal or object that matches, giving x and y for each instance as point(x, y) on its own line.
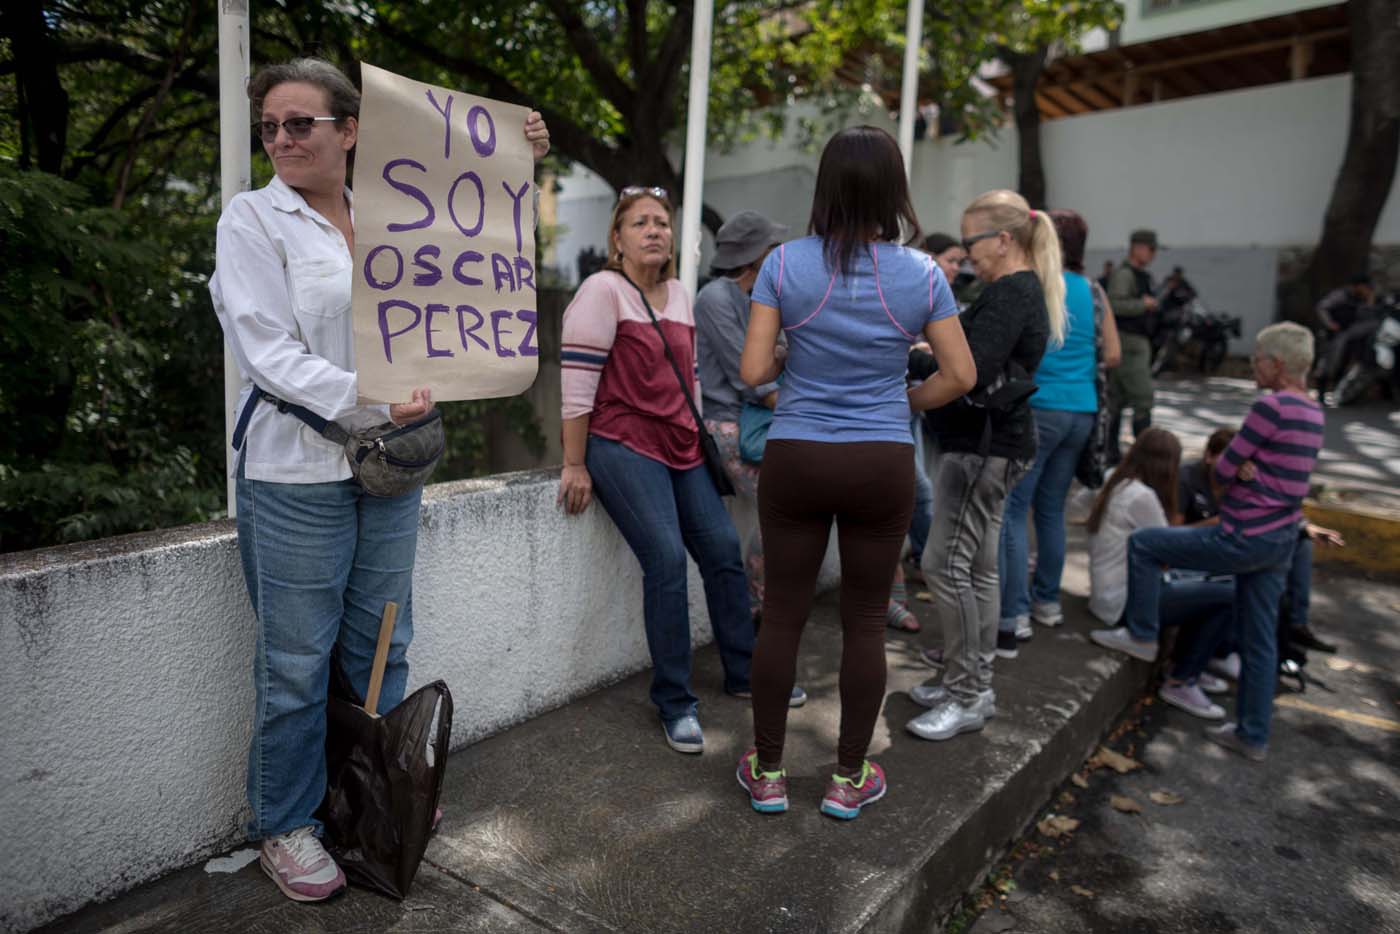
point(301, 867)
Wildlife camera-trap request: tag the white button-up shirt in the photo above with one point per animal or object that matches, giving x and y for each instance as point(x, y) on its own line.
point(281, 289)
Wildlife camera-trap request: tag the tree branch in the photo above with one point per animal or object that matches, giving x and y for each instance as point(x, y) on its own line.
point(591, 56)
point(565, 135)
point(665, 70)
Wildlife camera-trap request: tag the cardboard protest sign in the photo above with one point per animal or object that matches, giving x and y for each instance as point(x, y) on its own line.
point(444, 282)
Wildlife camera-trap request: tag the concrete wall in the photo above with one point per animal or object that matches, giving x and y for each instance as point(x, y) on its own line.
point(126, 664)
point(1143, 25)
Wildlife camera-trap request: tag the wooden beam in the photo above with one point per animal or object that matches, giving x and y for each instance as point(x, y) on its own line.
point(1049, 108)
point(1069, 101)
point(1300, 58)
point(1130, 88)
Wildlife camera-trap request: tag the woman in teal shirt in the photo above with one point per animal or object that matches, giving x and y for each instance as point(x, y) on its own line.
point(1065, 404)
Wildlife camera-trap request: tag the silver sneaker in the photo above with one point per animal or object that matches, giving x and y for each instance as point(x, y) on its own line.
point(933, 695)
point(1119, 640)
point(950, 718)
point(1047, 614)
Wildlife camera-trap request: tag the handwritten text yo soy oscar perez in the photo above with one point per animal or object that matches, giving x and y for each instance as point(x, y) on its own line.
point(449, 330)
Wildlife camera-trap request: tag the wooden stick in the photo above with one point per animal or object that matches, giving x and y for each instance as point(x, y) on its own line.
point(381, 658)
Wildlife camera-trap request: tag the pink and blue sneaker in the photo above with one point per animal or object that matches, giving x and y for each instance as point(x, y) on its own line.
point(846, 796)
point(767, 790)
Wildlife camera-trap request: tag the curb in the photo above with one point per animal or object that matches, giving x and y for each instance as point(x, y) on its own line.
point(1372, 535)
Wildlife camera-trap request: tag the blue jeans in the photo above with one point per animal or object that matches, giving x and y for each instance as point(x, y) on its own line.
point(1260, 565)
point(1300, 582)
point(923, 494)
point(662, 513)
point(1060, 439)
point(320, 561)
point(1205, 612)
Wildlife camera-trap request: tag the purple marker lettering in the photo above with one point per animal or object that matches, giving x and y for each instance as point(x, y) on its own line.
point(501, 269)
point(382, 285)
point(432, 273)
point(412, 192)
point(483, 147)
point(481, 203)
point(524, 273)
point(517, 196)
point(528, 349)
point(446, 123)
point(496, 332)
point(428, 329)
point(466, 256)
point(466, 332)
point(389, 335)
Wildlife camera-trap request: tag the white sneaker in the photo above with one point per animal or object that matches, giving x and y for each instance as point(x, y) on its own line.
point(1227, 667)
point(1212, 684)
point(1190, 698)
point(1119, 640)
point(1024, 632)
point(1047, 614)
point(301, 867)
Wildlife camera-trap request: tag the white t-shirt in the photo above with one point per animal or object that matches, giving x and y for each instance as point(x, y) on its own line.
point(1133, 506)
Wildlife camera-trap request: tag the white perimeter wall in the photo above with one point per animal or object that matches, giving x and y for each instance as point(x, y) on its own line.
point(126, 665)
point(1198, 15)
point(1226, 180)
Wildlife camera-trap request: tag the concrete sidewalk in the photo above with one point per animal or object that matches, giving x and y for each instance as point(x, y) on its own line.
point(583, 820)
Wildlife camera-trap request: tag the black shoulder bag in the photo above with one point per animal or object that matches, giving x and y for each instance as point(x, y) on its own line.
point(714, 461)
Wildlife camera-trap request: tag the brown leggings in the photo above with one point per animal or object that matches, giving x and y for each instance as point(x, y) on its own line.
point(868, 488)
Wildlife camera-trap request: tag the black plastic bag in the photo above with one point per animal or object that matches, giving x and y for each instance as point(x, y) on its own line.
point(383, 778)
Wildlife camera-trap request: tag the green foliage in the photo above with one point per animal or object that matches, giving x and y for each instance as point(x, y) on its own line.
point(109, 367)
point(961, 38)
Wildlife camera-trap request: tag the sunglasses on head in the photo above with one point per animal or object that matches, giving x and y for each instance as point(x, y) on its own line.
point(632, 191)
point(985, 235)
point(296, 127)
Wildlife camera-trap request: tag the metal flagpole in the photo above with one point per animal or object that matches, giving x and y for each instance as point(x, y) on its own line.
point(909, 89)
point(693, 196)
point(235, 162)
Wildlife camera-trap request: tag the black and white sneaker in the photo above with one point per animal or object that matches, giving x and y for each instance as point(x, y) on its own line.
point(1006, 644)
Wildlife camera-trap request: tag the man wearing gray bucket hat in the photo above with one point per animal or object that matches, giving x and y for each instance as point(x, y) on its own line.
point(721, 322)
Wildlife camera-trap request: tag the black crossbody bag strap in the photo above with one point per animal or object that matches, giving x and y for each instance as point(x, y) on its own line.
point(670, 357)
point(326, 429)
point(708, 449)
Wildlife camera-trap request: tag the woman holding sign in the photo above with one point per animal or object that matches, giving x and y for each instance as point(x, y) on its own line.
point(628, 360)
point(320, 557)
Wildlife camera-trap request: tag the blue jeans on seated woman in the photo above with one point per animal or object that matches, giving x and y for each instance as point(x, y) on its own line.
point(1260, 564)
point(320, 561)
point(1060, 437)
point(663, 513)
point(1204, 608)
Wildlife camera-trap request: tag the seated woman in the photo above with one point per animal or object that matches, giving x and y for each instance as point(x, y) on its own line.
point(1141, 494)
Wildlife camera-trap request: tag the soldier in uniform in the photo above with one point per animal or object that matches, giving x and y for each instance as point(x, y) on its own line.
point(1130, 294)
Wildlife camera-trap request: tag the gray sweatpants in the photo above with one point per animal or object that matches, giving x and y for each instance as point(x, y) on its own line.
point(960, 564)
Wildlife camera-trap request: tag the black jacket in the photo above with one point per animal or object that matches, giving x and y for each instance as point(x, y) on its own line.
point(1006, 323)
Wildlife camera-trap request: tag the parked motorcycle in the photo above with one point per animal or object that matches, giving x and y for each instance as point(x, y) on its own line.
point(1184, 318)
point(1376, 364)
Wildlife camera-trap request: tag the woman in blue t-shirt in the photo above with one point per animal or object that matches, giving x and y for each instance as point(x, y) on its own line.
point(850, 299)
point(1065, 403)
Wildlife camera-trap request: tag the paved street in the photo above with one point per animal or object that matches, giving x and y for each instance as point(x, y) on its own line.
point(1307, 841)
point(1362, 448)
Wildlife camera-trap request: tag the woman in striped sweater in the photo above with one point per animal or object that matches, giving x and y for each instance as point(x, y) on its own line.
point(1264, 473)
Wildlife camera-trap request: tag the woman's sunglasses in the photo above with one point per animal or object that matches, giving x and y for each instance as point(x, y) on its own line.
point(296, 127)
point(985, 235)
point(631, 191)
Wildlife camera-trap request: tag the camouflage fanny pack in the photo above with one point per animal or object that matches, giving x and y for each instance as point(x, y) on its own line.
point(385, 460)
